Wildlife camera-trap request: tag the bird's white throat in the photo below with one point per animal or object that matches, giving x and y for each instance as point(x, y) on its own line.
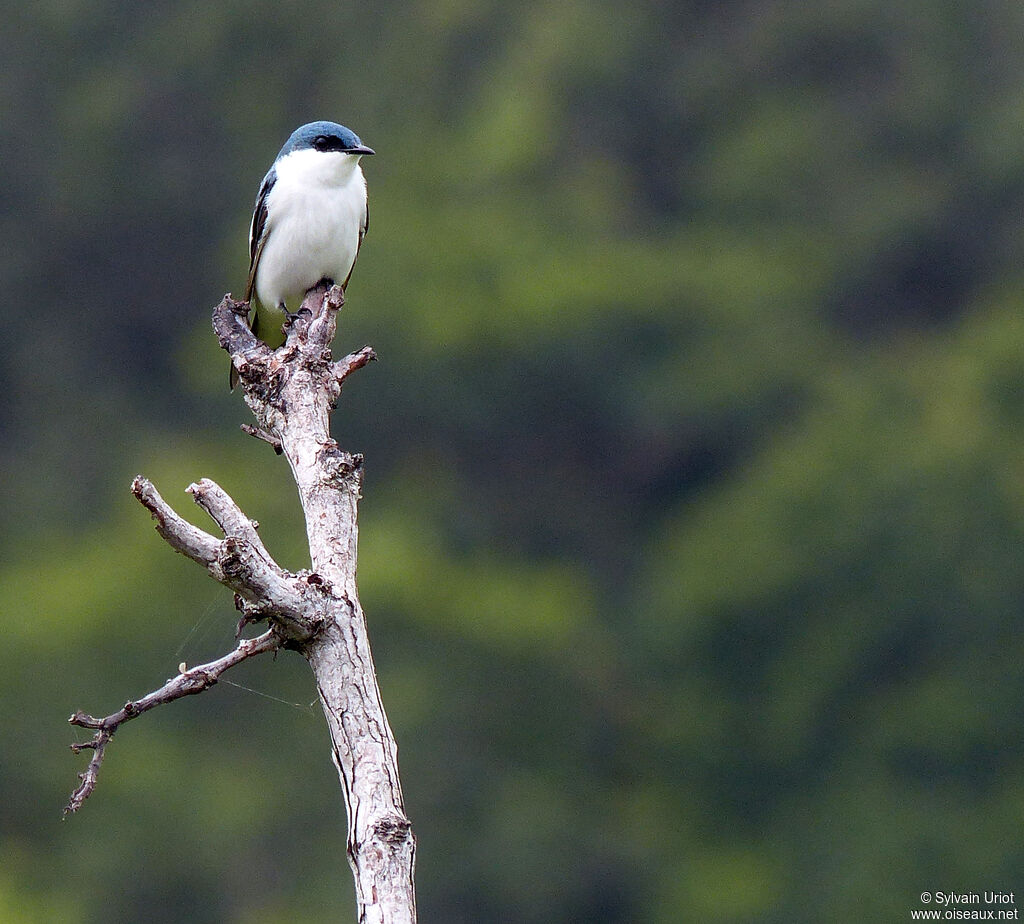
point(317, 168)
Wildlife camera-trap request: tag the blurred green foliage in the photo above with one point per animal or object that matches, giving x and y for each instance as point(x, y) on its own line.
point(695, 468)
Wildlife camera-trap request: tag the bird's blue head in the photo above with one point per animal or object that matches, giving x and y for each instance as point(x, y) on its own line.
point(324, 137)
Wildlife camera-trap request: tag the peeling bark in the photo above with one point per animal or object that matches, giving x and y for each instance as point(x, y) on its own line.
point(291, 392)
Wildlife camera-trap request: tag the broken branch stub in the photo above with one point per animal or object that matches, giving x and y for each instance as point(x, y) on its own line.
point(291, 392)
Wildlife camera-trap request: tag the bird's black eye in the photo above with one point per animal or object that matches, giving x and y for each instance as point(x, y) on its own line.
point(328, 143)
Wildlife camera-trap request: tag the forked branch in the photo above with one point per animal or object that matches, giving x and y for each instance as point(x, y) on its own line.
point(188, 682)
point(291, 392)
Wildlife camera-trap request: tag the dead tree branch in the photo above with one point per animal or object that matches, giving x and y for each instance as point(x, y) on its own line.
point(291, 392)
point(189, 681)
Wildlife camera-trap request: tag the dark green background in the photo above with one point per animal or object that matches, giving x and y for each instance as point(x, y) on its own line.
point(694, 506)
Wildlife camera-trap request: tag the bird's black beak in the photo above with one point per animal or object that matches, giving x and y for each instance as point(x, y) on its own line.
point(362, 149)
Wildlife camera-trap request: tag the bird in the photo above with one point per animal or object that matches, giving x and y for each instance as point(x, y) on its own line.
point(308, 225)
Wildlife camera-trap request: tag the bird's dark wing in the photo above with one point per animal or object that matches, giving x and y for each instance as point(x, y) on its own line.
point(258, 230)
point(257, 238)
point(362, 233)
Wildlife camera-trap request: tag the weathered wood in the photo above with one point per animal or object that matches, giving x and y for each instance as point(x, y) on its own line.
point(291, 392)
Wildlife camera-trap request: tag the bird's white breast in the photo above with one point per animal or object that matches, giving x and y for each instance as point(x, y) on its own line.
point(315, 212)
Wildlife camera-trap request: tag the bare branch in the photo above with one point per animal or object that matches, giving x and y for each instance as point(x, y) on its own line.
point(263, 435)
point(181, 535)
point(324, 309)
point(343, 368)
point(248, 353)
point(187, 683)
point(239, 560)
point(228, 516)
point(291, 392)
